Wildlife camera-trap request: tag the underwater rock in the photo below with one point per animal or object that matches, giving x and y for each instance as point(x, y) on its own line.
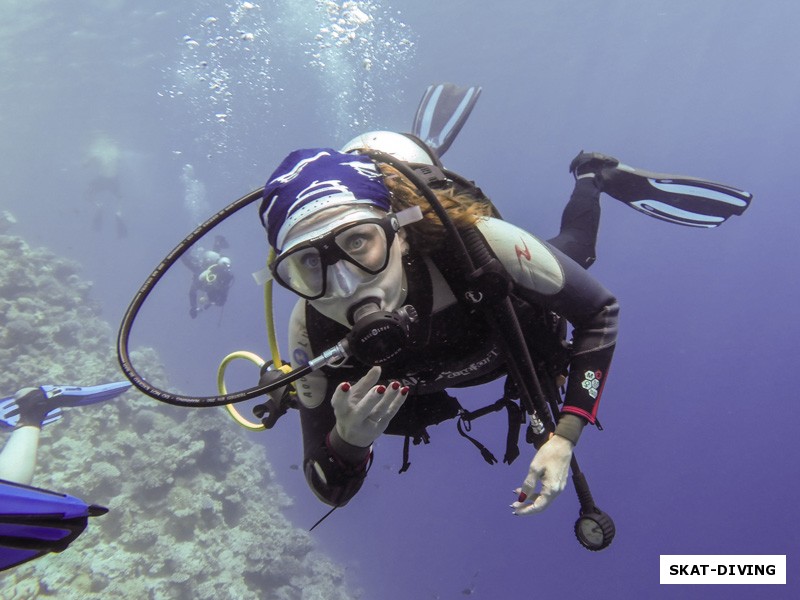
point(7, 220)
point(19, 332)
point(105, 479)
point(195, 511)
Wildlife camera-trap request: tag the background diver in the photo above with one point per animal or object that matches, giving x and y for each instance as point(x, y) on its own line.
point(103, 158)
point(348, 242)
point(35, 521)
point(212, 276)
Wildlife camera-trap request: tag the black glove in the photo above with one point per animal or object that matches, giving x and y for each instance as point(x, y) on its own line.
point(33, 406)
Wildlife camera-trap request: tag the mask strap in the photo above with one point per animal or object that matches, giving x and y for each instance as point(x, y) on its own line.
point(409, 215)
point(262, 276)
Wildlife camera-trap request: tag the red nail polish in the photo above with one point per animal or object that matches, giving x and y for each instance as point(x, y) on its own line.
point(404, 391)
point(395, 385)
point(345, 387)
point(381, 389)
point(522, 497)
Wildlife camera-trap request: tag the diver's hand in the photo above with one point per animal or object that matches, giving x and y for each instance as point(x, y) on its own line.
point(363, 410)
point(550, 467)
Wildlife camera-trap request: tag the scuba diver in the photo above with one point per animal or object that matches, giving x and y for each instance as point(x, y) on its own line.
point(347, 244)
point(354, 238)
point(35, 521)
point(410, 284)
point(97, 190)
point(103, 157)
point(212, 276)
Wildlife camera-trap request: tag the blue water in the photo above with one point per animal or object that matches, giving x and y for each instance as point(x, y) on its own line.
point(698, 453)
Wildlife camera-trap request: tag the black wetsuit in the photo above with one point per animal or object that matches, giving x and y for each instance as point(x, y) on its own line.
point(453, 348)
point(213, 279)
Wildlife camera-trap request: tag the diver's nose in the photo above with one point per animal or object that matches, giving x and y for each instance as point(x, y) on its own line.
point(342, 282)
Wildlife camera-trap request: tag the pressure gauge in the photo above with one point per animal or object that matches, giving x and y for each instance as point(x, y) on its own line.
point(595, 530)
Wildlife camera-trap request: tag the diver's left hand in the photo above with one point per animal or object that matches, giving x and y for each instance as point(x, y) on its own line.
point(364, 410)
point(550, 467)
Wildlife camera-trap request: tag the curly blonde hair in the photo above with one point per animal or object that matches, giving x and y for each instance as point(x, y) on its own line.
point(428, 234)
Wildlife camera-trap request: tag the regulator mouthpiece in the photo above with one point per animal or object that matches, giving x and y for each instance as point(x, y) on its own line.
point(379, 336)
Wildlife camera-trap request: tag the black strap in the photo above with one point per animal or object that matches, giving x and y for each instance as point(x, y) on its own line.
point(487, 455)
point(325, 516)
point(421, 437)
point(515, 420)
point(406, 463)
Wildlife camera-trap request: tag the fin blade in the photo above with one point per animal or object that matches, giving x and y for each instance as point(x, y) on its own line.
point(74, 395)
point(677, 199)
point(35, 521)
point(442, 112)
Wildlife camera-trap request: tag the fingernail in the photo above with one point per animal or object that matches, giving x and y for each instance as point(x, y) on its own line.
point(404, 391)
point(395, 385)
point(345, 387)
point(522, 497)
point(381, 389)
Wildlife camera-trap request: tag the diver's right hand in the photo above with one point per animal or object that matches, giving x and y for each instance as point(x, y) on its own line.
point(363, 410)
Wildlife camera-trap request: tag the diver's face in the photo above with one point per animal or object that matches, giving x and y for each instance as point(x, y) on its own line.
point(361, 262)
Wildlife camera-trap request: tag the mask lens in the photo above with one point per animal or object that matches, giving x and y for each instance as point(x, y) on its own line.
point(365, 245)
point(301, 271)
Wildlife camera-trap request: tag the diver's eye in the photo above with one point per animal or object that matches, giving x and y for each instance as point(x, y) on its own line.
point(360, 239)
point(356, 243)
point(310, 260)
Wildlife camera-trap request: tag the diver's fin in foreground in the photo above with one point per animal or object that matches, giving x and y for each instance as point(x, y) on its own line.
point(59, 396)
point(75, 395)
point(34, 521)
point(442, 112)
point(673, 198)
point(10, 413)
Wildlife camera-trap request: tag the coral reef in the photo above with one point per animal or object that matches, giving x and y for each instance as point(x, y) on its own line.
point(195, 512)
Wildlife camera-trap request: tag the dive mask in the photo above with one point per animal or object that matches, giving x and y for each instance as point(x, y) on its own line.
point(303, 267)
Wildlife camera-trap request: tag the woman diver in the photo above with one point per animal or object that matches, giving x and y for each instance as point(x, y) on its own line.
point(349, 241)
point(410, 284)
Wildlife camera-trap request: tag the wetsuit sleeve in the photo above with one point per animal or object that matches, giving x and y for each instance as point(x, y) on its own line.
point(593, 312)
point(334, 469)
point(546, 277)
